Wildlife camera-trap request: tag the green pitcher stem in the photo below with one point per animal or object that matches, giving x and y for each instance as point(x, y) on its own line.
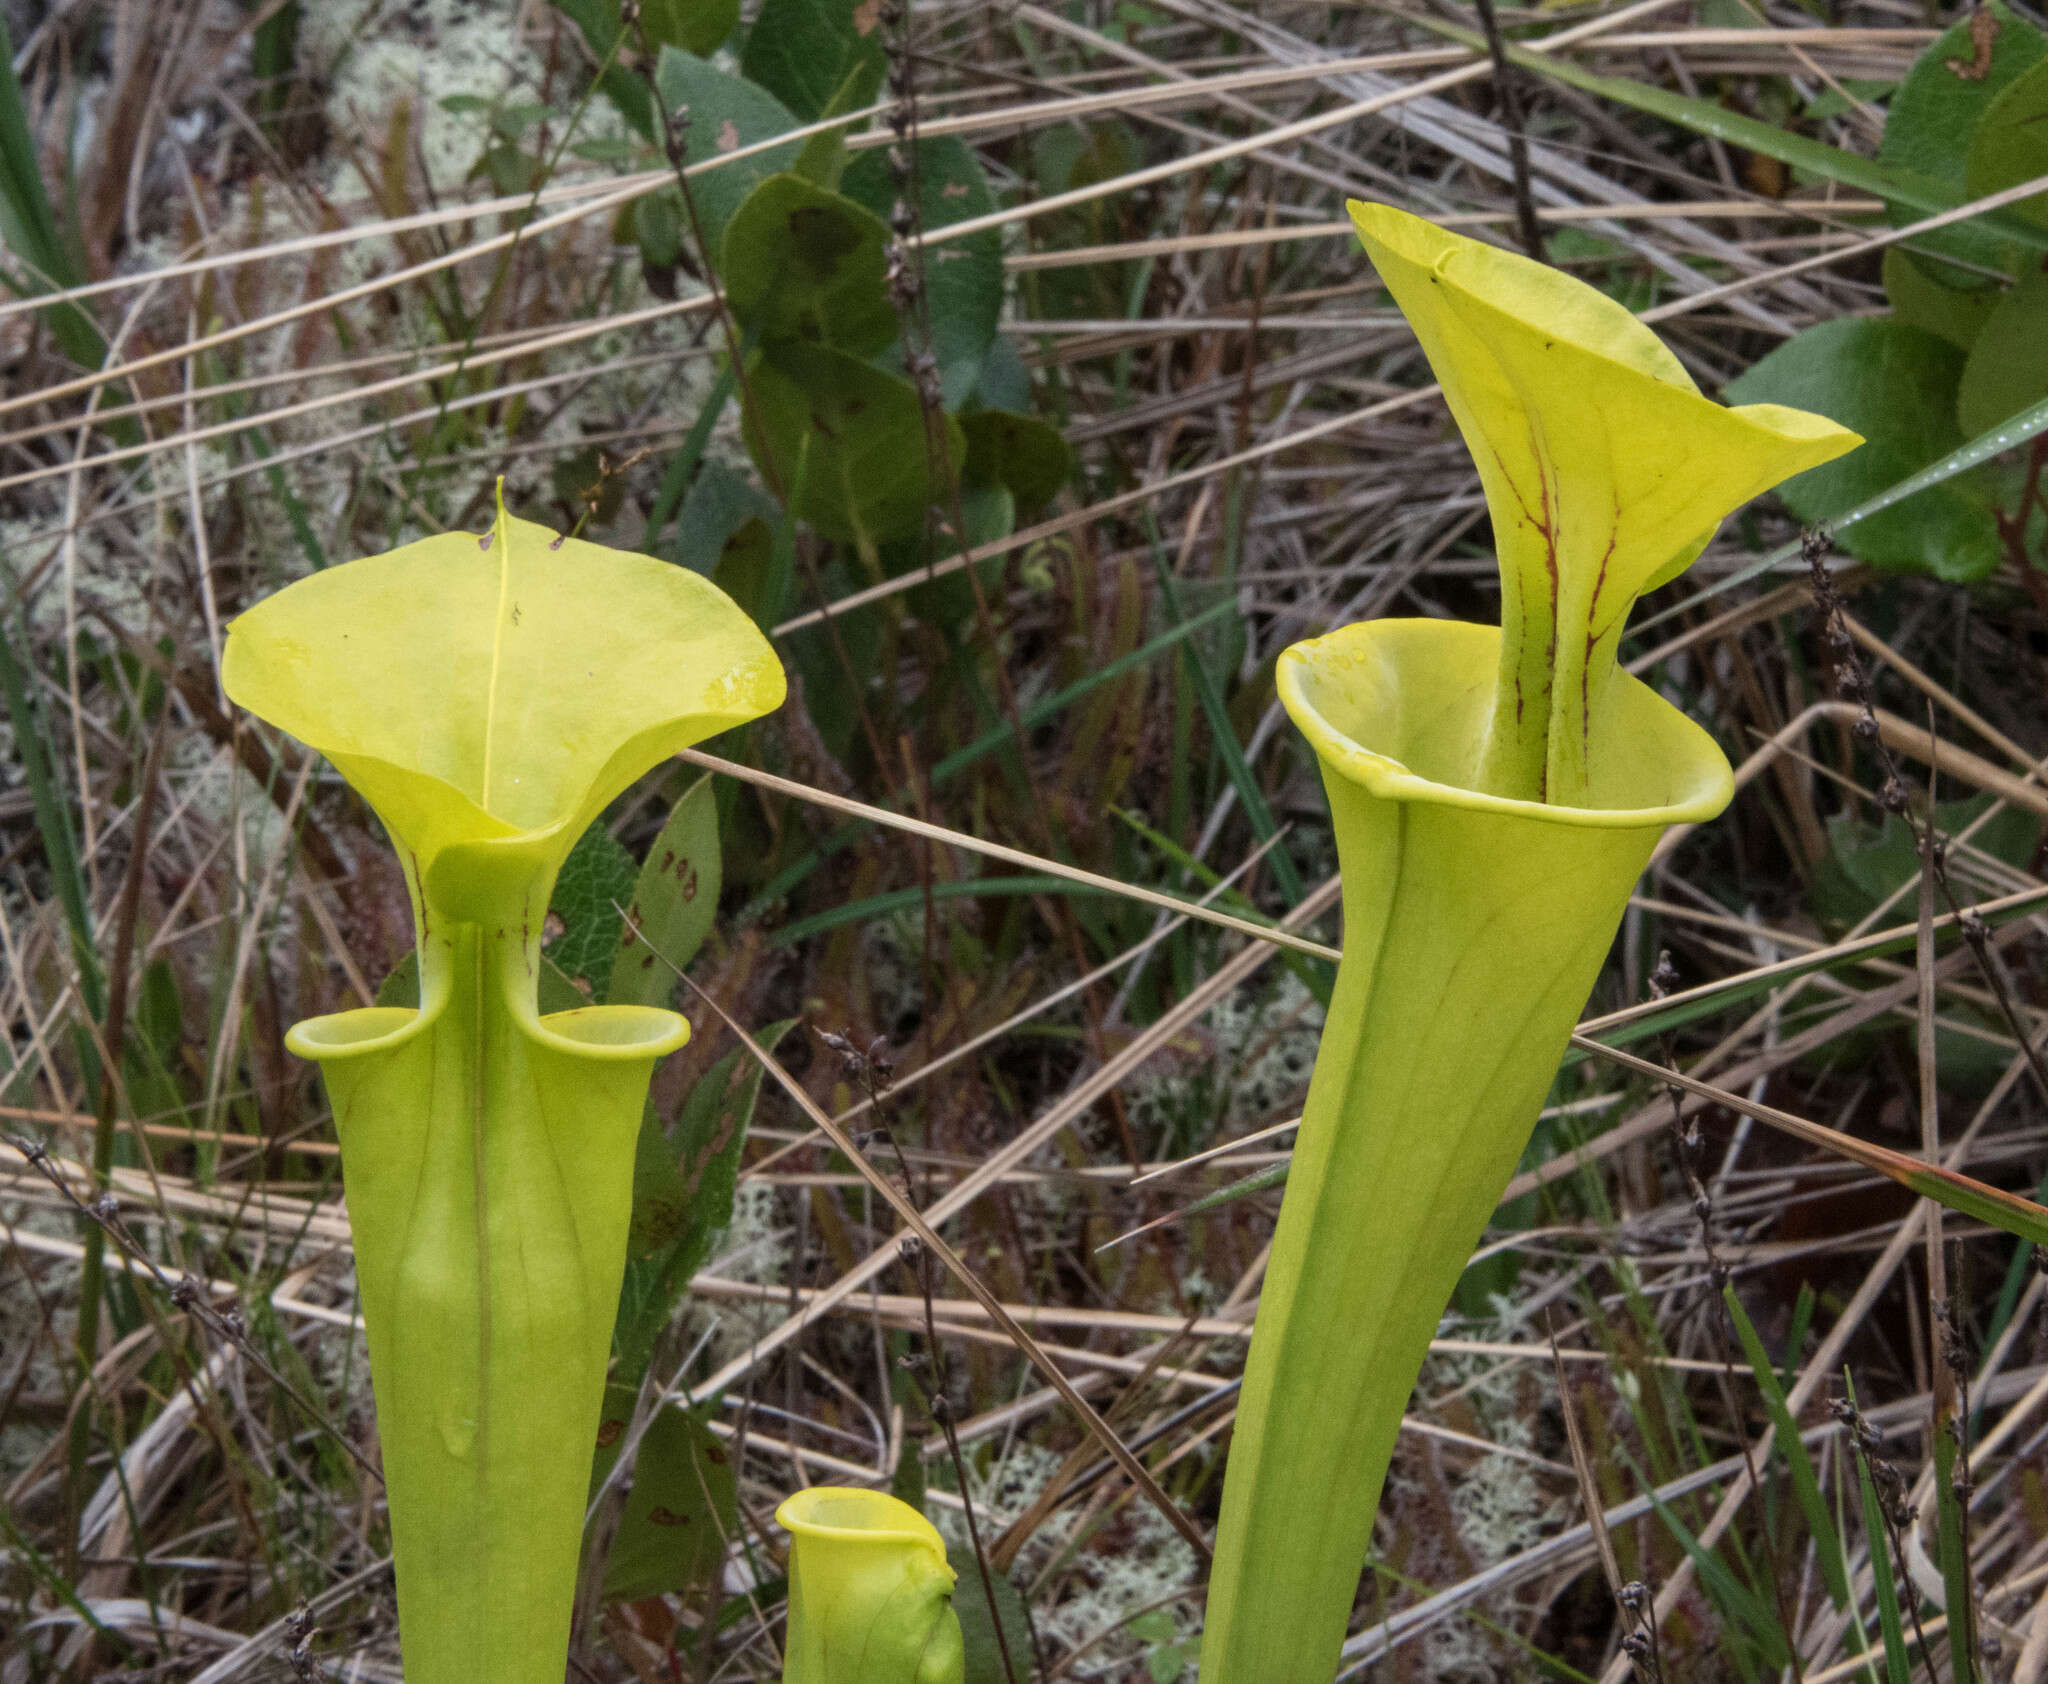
point(487, 1156)
point(1474, 928)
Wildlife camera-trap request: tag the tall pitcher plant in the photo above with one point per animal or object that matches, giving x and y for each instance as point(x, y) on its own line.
point(488, 697)
point(1495, 794)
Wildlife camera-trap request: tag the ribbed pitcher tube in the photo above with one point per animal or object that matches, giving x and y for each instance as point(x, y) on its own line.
point(1474, 928)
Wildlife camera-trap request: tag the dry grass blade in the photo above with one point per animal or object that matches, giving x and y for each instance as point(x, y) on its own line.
point(1934, 1181)
point(914, 1220)
point(909, 826)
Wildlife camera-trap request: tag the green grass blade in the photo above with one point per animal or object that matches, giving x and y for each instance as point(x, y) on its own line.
point(28, 224)
point(53, 822)
point(1249, 795)
point(1866, 175)
point(1740, 1604)
point(1805, 1483)
point(1898, 1667)
point(898, 900)
point(1957, 1591)
point(1038, 713)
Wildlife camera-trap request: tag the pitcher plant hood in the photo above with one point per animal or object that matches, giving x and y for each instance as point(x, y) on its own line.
point(488, 697)
point(1605, 471)
point(870, 1592)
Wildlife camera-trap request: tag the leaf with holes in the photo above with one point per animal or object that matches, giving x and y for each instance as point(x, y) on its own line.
point(681, 1509)
point(683, 1186)
point(963, 278)
point(1934, 118)
point(725, 116)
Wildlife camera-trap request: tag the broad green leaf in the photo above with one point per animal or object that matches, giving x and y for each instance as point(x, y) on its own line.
point(801, 51)
point(681, 1511)
point(848, 438)
point(595, 880)
point(696, 26)
point(963, 278)
point(682, 1199)
point(725, 114)
point(1957, 314)
point(984, 1654)
point(599, 22)
point(823, 160)
point(1004, 383)
point(1897, 385)
point(801, 262)
point(1934, 117)
point(662, 1201)
point(721, 501)
point(990, 514)
point(870, 1592)
point(1866, 865)
point(2011, 142)
point(1020, 452)
point(2007, 370)
point(1605, 472)
point(673, 901)
point(840, 665)
point(754, 566)
point(658, 228)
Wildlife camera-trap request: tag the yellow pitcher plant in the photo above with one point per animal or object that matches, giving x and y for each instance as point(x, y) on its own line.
point(488, 697)
point(1494, 794)
point(870, 1592)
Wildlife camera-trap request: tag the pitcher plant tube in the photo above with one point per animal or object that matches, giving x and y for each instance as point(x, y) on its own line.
point(488, 697)
point(870, 1592)
point(1494, 795)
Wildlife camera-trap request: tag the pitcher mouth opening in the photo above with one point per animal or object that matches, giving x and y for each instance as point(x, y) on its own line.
point(1400, 707)
point(858, 1516)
